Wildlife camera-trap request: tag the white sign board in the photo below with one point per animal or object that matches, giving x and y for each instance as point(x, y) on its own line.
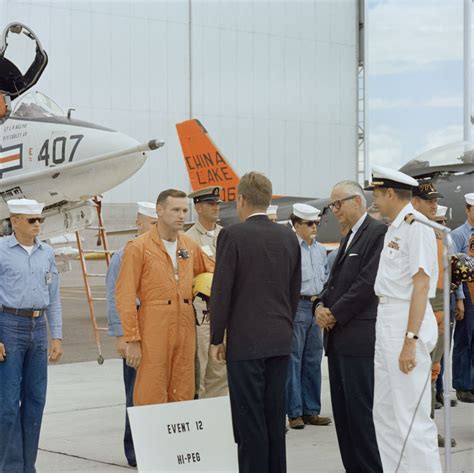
point(184, 436)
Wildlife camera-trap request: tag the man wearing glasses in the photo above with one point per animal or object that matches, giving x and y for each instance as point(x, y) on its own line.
point(303, 389)
point(347, 310)
point(29, 302)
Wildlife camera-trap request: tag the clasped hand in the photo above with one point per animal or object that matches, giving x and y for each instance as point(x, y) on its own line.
point(324, 317)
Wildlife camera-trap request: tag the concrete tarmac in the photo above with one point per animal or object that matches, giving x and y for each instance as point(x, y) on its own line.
point(84, 417)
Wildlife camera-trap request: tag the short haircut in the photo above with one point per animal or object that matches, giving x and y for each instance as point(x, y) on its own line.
point(468, 207)
point(169, 193)
point(294, 219)
point(403, 194)
point(256, 189)
point(353, 188)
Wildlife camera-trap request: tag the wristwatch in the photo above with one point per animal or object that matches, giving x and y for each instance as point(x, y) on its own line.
point(411, 336)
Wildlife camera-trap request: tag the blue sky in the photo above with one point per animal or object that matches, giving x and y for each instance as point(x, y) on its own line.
point(415, 70)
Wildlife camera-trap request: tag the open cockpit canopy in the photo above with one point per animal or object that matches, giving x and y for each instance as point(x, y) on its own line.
point(13, 81)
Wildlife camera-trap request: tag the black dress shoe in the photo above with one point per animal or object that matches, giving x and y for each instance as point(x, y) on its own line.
point(465, 396)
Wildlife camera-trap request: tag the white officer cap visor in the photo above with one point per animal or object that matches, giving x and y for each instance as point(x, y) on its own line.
point(384, 178)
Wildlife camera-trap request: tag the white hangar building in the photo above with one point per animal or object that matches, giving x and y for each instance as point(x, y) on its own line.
point(279, 85)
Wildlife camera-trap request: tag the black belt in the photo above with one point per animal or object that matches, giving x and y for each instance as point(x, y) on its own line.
point(26, 312)
point(308, 298)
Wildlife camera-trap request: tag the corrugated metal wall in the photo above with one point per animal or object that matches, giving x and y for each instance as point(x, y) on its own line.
point(274, 82)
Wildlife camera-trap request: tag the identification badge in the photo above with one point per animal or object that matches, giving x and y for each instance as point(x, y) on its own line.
point(49, 278)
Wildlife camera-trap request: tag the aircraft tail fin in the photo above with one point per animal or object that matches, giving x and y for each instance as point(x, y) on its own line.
point(205, 164)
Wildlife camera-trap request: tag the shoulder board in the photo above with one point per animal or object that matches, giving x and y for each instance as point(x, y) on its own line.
point(409, 218)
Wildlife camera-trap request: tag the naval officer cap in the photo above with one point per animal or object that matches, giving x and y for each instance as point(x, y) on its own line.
point(147, 209)
point(207, 194)
point(272, 209)
point(306, 212)
point(384, 178)
point(469, 198)
point(25, 207)
point(426, 190)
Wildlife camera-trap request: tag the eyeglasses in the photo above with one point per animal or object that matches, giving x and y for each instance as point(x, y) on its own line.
point(337, 204)
point(310, 223)
point(33, 220)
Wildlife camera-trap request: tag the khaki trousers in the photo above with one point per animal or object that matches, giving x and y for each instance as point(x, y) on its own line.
point(212, 380)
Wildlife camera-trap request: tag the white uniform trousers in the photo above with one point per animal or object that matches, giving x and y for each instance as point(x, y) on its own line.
point(396, 394)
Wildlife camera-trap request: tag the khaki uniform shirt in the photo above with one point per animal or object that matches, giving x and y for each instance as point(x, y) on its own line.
point(205, 239)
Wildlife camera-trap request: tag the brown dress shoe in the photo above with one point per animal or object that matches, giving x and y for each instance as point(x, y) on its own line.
point(296, 423)
point(317, 420)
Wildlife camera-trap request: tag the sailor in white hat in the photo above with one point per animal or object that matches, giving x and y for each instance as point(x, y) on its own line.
point(406, 329)
point(304, 368)
point(29, 303)
point(272, 211)
point(211, 377)
point(441, 213)
point(463, 349)
point(145, 221)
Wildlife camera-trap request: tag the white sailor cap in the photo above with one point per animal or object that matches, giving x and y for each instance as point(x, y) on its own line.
point(469, 198)
point(25, 207)
point(383, 178)
point(272, 209)
point(441, 211)
point(147, 209)
point(306, 212)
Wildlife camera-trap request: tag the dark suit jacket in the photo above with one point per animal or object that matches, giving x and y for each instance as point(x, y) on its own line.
point(255, 289)
point(349, 292)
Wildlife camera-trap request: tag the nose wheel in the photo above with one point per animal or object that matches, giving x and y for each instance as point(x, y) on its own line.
point(100, 360)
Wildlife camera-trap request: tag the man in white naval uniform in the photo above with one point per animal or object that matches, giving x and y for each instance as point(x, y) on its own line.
point(406, 330)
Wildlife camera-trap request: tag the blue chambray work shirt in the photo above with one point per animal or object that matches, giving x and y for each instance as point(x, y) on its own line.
point(314, 268)
point(115, 325)
point(113, 317)
point(461, 236)
point(30, 281)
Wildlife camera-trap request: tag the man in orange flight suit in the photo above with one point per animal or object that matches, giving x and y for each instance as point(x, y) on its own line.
point(158, 268)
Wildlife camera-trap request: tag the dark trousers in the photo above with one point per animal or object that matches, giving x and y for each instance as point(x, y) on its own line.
point(23, 379)
point(129, 375)
point(463, 347)
point(352, 396)
point(257, 397)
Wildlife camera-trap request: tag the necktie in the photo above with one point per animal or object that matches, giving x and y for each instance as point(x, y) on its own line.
point(343, 247)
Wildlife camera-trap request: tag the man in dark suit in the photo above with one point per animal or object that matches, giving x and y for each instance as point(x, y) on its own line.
point(347, 310)
point(255, 294)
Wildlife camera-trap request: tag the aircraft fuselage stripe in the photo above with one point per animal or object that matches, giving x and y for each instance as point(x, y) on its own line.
point(10, 158)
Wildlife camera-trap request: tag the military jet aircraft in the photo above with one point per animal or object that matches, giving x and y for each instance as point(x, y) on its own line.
point(47, 155)
point(451, 168)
